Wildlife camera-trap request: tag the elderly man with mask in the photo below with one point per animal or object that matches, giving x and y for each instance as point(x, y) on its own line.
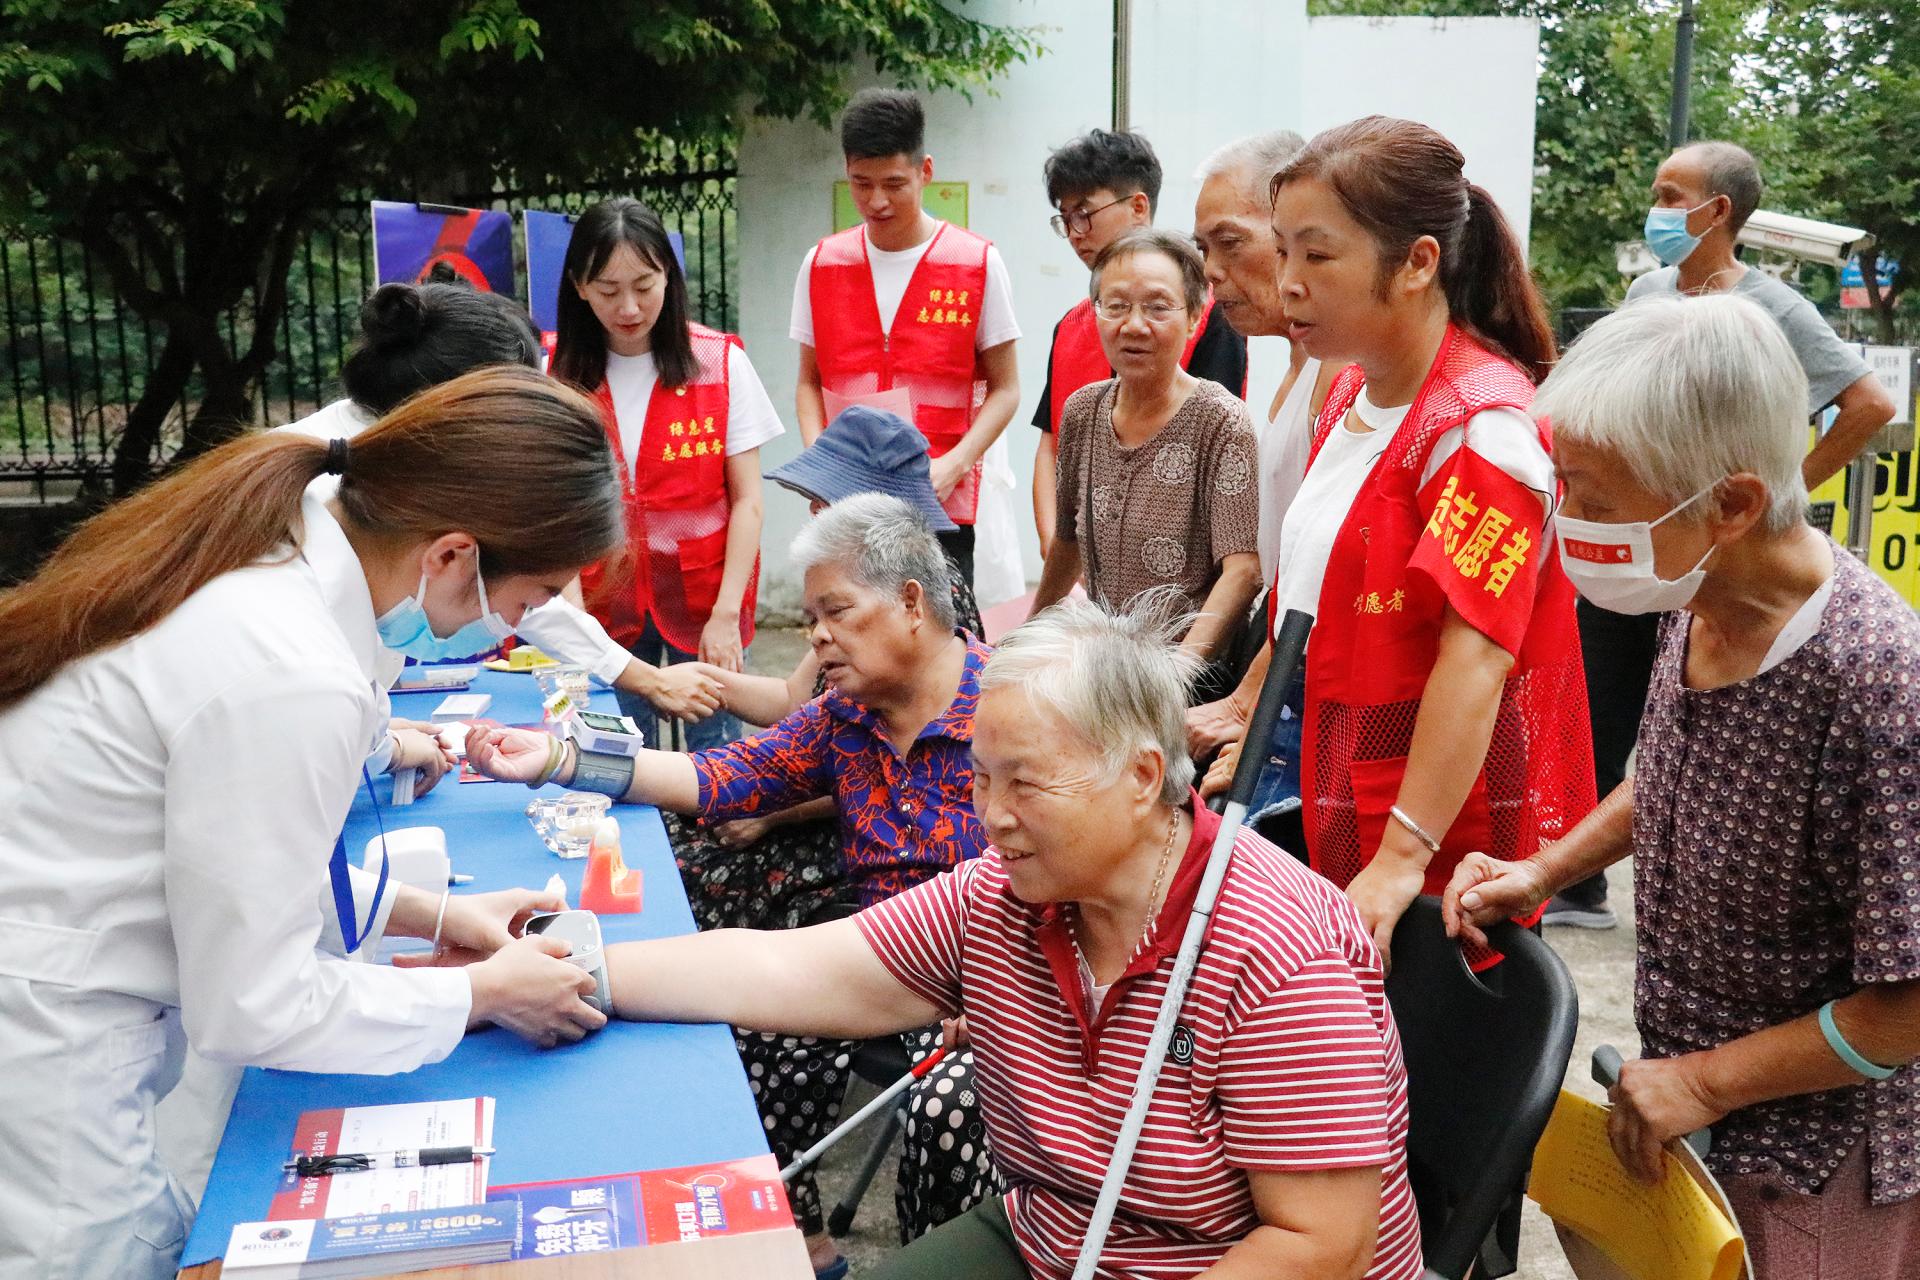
point(1774, 818)
point(1702, 195)
point(891, 741)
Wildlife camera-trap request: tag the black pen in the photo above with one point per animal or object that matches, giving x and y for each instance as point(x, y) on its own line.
point(363, 1161)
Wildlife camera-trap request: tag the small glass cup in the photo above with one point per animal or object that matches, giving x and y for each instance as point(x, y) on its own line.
point(565, 823)
point(574, 681)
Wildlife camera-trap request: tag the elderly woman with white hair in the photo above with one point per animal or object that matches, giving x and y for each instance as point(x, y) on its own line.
point(889, 741)
point(1276, 1134)
point(1774, 821)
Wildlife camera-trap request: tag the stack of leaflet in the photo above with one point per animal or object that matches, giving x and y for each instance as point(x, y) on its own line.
point(399, 1214)
point(378, 1244)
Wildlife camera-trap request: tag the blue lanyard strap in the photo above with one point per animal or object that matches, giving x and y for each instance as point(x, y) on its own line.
point(352, 933)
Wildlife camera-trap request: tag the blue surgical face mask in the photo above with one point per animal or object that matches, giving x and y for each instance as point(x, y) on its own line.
point(1667, 235)
point(405, 628)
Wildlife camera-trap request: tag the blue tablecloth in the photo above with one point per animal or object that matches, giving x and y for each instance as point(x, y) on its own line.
point(633, 1096)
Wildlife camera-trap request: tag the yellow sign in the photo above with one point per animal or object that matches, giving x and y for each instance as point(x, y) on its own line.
point(946, 200)
point(1894, 552)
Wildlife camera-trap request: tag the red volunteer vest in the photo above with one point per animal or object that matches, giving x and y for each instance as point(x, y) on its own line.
point(930, 350)
point(1376, 637)
point(677, 510)
point(1078, 361)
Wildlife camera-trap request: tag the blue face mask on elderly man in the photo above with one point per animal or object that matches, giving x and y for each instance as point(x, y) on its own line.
point(1667, 235)
point(405, 628)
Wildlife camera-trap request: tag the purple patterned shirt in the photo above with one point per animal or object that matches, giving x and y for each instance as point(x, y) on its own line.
point(1776, 843)
point(903, 819)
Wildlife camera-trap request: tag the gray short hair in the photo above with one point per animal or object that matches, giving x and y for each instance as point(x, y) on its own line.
point(1253, 161)
point(1731, 171)
point(883, 544)
point(1174, 245)
point(1687, 391)
point(1119, 679)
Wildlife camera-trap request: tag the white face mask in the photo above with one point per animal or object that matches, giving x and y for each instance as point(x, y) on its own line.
point(1612, 564)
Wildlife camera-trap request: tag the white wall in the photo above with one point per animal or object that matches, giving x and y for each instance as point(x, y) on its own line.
point(1204, 72)
point(1414, 68)
point(997, 144)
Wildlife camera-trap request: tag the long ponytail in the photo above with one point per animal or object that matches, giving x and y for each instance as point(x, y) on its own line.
point(518, 460)
point(1491, 291)
point(1401, 180)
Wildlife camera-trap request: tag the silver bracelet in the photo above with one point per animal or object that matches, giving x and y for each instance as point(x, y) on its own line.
point(604, 772)
point(1417, 831)
point(440, 917)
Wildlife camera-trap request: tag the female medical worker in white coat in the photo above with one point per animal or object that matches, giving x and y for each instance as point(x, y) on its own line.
point(186, 703)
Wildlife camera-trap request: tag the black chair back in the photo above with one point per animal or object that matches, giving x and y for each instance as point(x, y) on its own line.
point(1486, 1055)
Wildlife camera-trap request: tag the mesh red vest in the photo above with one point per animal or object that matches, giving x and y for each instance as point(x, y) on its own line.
point(930, 350)
point(1077, 360)
point(1376, 637)
point(677, 511)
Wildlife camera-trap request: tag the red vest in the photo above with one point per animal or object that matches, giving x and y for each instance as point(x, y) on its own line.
point(1077, 360)
point(930, 350)
point(677, 510)
point(1376, 637)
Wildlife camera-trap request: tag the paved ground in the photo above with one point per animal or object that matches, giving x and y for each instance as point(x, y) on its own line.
point(1602, 965)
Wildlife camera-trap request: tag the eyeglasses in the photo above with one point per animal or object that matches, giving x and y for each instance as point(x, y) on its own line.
point(1116, 310)
point(1080, 220)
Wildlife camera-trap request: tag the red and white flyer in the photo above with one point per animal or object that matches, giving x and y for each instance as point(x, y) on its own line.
point(406, 1126)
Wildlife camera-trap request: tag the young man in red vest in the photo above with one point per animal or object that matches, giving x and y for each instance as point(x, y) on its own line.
point(1105, 184)
point(908, 311)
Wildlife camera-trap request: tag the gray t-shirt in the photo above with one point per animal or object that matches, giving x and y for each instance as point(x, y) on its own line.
point(1831, 365)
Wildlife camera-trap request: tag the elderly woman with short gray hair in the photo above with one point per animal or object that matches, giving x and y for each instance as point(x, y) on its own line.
point(890, 742)
point(1276, 1133)
point(1157, 484)
point(1774, 819)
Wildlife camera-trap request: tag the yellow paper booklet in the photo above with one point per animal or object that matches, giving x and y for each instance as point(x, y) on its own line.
point(523, 658)
point(1673, 1230)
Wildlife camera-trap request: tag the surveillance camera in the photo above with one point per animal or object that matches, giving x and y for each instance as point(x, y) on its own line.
point(1826, 242)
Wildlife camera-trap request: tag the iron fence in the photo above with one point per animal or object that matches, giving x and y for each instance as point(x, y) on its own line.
point(76, 358)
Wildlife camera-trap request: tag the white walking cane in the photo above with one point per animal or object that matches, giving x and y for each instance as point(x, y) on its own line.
point(806, 1158)
point(1289, 647)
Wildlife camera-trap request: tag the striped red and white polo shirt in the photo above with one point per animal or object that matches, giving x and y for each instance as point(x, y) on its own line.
point(1285, 1059)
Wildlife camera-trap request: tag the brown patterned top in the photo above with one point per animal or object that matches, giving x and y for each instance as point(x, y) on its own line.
point(1164, 513)
point(1776, 843)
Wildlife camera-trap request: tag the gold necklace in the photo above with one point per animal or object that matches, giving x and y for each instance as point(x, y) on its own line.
point(1153, 893)
point(1159, 875)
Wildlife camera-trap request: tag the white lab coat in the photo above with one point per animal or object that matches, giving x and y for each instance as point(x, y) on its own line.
point(558, 627)
point(167, 811)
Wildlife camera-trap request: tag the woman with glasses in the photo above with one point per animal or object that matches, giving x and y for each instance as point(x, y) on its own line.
point(1104, 185)
point(687, 416)
point(1155, 488)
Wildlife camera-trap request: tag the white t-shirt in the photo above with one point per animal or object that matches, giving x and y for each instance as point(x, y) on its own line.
point(1285, 446)
point(1504, 437)
point(751, 420)
point(891, 273)
point(1800, 628)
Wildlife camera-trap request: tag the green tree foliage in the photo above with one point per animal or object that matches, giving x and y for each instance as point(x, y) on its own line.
point(1826, 93)
point(187, 144)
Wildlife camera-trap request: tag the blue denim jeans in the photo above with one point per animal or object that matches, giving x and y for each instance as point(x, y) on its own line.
point(716, 730)
point(1278, 787)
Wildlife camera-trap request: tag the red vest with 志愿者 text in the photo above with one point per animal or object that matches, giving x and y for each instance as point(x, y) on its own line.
point(1376, 636)
point(678, 510)
point(928, 350)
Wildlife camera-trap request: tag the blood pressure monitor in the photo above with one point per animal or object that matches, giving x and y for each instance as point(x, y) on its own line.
point(609, 735)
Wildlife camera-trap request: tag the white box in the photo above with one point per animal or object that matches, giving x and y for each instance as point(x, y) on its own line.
point(461, 706)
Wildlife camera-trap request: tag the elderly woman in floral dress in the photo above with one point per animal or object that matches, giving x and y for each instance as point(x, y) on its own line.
point(1774, 821)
